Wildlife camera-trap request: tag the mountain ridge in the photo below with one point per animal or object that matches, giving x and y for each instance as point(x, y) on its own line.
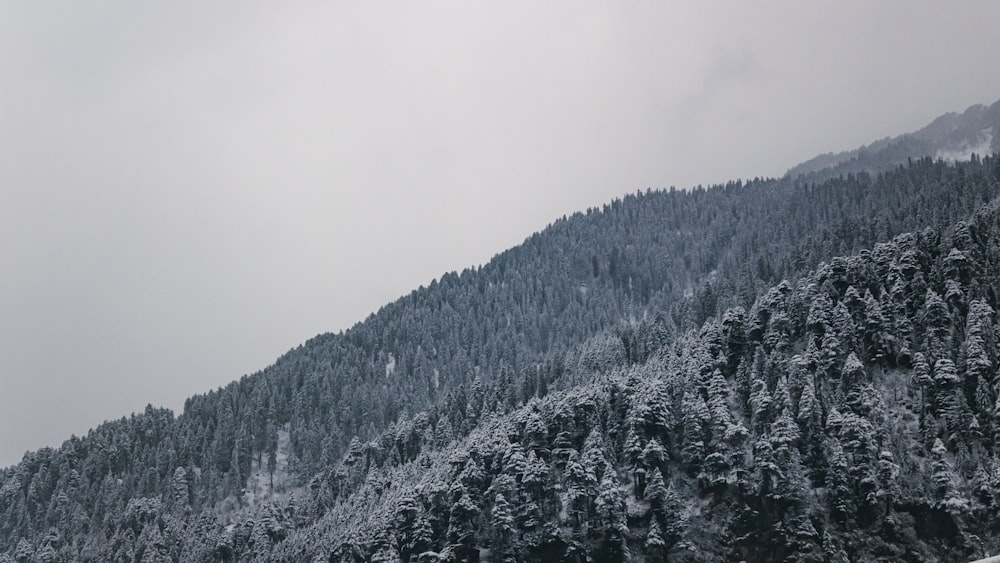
point(577, 301)
point(951, 136)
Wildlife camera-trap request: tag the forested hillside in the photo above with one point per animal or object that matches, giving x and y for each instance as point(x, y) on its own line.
point(627, 381)
point(852, 415)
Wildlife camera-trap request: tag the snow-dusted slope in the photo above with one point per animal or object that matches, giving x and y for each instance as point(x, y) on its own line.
point(952, 136)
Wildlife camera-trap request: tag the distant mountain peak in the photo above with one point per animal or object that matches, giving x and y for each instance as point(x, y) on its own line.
point(951, 137)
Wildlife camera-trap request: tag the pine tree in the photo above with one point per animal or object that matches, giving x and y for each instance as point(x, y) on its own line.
point(819, 314)
point(830, 354)
point(48, 554)
point(948, 398)
point(760, 405)
point(594, 456)
point(462, 523)
point(609, 509)
point(656, 493)
point(633, 457)
point(674, 519)
point(535, 477)
point(718, 403)
point(854, 304)
point(562, 447)
point(945, 482)
point(23, 552)
point(714, 470)
point(791, 485)
point(503, 530)
point(853, 373)
point(579, 484)
point(694, 414)
point(412, 529)
point(654, 455)
point(536, 433)
point(386, 555)
point(937, 322)
point(766, 470)
point(922, 380)
point(838, 486)
point(978, 378)
point(876, 339)
point(743, 385)
point(514, 460)
point(846, 330)
point(656, 547)
point(180, 491)
point(808, 407)
point(888, 474)
point(734, 334)
point(895, 306)
point(260, 542)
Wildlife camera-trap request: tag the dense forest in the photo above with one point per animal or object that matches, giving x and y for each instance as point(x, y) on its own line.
point(769, 370)
point(850, 416)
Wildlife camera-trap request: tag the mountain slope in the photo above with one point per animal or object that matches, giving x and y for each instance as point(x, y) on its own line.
point(536, 318)
point(952, 136)
point(852, 415)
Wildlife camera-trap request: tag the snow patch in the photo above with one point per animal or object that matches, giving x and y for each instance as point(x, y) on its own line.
point(982, 146)
point(259, 485)
point(437, 378)
point(635, 508)
point(390, 366)
point(240, 505)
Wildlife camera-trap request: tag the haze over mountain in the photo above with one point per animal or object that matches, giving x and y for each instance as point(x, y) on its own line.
point(785, 368)
point(952, 136)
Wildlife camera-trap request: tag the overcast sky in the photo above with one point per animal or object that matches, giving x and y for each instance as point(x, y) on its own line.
point(189, 189)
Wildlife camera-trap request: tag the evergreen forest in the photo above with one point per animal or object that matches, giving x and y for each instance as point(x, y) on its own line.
point(793, 369)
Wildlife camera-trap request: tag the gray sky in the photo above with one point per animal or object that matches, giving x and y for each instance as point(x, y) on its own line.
point(189, 189)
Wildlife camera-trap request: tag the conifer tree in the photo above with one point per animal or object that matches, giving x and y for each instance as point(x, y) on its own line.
point(922, 380)
point(674, 519)
point(876, 339)
point(463, 520)
point(655, 546)
point(846, 329)
point(694, 417)
point(609, 509)
point(937, 322)
point(503, 531)
point(838, 483)
point(579, 484)
point(945, 482)
point(760, 405)
point(949, 401)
